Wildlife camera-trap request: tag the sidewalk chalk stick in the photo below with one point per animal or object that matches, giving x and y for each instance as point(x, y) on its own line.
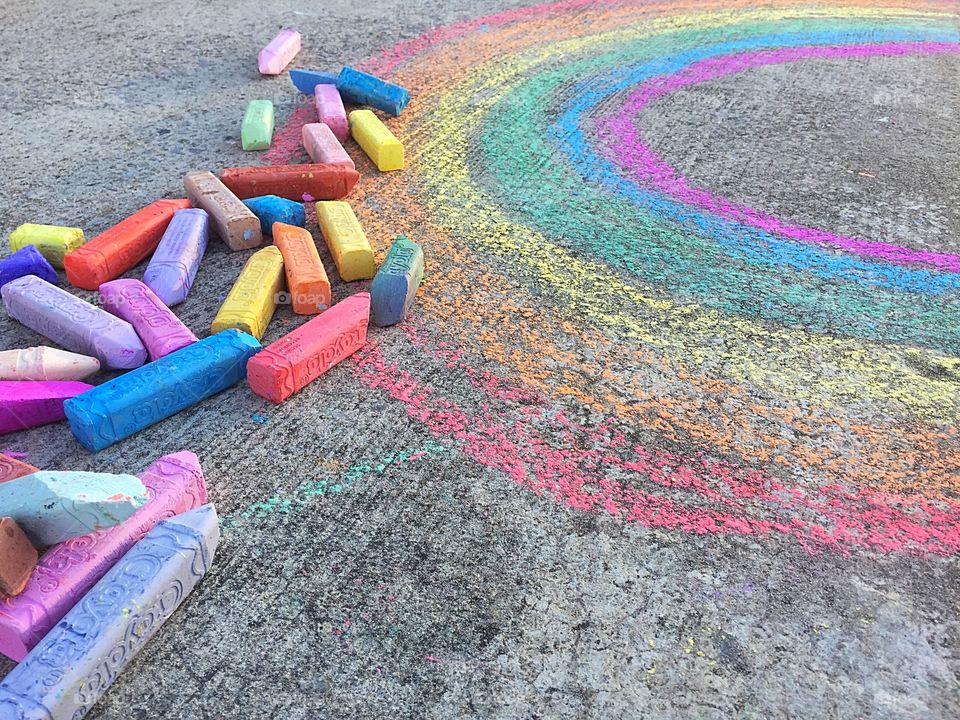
point(395, 285)
point(27, 261)
point(46, 363)
point(111, 253)
point(307, 282)
point(293, 182)
point(28, 404)
point(380, 145)
point(174, 265)
point(279, 52)
point(346, 240)
point(330, 110)
point(256, 130)
point(361, 88)
point(73, 323)
point(72, 667)
point(66, 571)
point(231, 219)
point(306, 81)
point(271, 209)
point(53, 241)
point(299, 358)
point(145, 396)
point(11, 468)
point(18, 558)
point(323, 147)
point(251, 302)
point(159, 329)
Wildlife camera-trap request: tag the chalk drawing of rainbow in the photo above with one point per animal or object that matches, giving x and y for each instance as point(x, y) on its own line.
point(634, 344)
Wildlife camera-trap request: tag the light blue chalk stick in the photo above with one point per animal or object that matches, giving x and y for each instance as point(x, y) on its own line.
point(363, 88)
point(149, 394)
point(75, 663)
point(306, 80)
point(52, 507)
point(395, 284)
point(270, 209)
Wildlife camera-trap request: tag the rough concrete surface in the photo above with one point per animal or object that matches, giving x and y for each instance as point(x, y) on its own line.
point(373, 567)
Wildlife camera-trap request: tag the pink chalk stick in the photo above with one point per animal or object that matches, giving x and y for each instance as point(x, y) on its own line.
point(29, 403)
point(330, 110)
point(161, 331)
point(278, 54)
point(323, 147)
point(66, 571)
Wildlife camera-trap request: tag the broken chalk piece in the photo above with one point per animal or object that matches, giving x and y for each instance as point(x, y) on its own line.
point(307, 282)
point(297, 359)
point(330, 110)
point(11, 468)
point(27, 261)
point(73, 323)
point(53, 507)
point(72, 667)
point(18, 558)
point(111, 253)
point(161, 331)
point(380, 145)
point(279, 52)
point(67, 570)
point(234, 223)
point(323, 147)
point(145, 396)
point(306, 81)
point(252, 300)
point(256, 130)
point(27, 404)
point(46, 363)
point(346, 240)
point(174, 265)
point(293, 182)
point(361, 88)
point(271, 209)
point(52, 241)
point(395, 285)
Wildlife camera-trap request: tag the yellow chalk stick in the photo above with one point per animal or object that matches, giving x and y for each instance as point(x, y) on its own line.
point(253, 298)
point(376, 140)
point(52, 241)
point(347, 242)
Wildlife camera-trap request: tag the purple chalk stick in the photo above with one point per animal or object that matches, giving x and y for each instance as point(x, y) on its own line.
point(159, 329)
point(330, 110)
point(68, 570)
point(174, 265)
point(26, 261)
point(29, 403)
point(73, 323)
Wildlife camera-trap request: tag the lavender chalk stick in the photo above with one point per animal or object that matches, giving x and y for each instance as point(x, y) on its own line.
point(159, 329)
point(27, 261)
point(71, 668)
point(30, 403)
point(73, 323)
point(174, 265)
point(66, 571)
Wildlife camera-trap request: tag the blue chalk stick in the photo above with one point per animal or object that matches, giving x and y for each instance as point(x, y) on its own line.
point(395, 284)
point(270, 209)
point(26, 261)
point(157, 390)
point(306, 80)
point(75, 663)
point(362, 88)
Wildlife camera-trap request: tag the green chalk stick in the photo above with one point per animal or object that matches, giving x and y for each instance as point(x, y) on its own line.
point(256, 132)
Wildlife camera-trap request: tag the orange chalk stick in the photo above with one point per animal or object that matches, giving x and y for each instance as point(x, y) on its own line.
point(294, 182)
point(297, 359)
point(112, 253)
point(11, 468)
point(307, 280)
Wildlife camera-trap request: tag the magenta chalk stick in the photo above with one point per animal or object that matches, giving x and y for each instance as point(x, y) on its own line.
point(330, 110)
point(279, 52)
point(159, 329)
point(30, 403)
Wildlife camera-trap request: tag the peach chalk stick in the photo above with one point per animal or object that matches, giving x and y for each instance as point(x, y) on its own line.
point(293, 182)
point(18, 558)
point(11, 468)
point(252, 300)
point(323, 147)
point(279, 52)
point(111, 253)
point(297, 359)
point(160, 330)
point(307, 282)
point(46, 363)
point(330, 110)
point(233, 221)
point(346, 240)
point(53, 241)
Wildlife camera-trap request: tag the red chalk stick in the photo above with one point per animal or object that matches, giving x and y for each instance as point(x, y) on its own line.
point(321, 182)
point(11, 468)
